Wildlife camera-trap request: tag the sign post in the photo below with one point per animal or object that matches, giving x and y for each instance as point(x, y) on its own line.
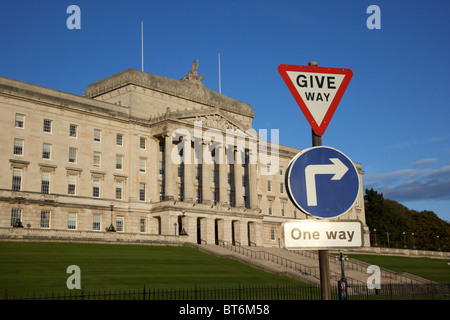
point(317, 92)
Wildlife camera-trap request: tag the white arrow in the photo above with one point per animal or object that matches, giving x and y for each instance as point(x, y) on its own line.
point(337, 168)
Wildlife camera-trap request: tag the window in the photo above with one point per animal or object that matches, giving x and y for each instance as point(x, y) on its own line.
point(230, 199)
point(96, 187)
point(215, 196)
point(180, 171)
point(269, 185)
point(16, 215)
point(142, 142)
point(141, 191)
point(119, 224)
point(213, 176)
point(197, 173)
point(18, 147)
point(17, 179)
point(45, 182)
point(161, 147)
point(143, 225)
point(281, 187)
point(73, 131)
point(161, 192)
point(119, 139)
point(142, 164)
point(71, 182)
point(48, 125)
point(180, 194)
point(45, 219)
point(282, 209)
point(161, 167)
point(295, 214)
point(272, 234)
point(268, 168)
point(97, 158)
point(46, 151)
point(229, 178)
point(19, 120)
point(72, 221)
point(72, 155)
point(198, 197)
point(270, 207)
point(119, 162)
point(96, 222)
point(97, 135)
point(281, 171)
point(119, 188)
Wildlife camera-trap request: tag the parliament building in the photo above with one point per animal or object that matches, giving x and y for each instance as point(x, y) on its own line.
point(142, 158)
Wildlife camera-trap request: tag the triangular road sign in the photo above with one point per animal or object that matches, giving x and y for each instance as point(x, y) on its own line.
point(317, 91)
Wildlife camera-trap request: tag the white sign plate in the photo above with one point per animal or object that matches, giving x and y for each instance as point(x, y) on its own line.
point(313, 234)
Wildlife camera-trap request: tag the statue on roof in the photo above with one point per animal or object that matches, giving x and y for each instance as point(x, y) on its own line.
point(192, 74)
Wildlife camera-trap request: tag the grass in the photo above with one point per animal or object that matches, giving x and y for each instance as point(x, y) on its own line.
point(433, 269)
point(40, 267)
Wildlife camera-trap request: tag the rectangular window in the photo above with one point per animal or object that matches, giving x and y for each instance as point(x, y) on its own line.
point(97, 135)
point(229, 178)
point(119, 188)
point(45, 219)
point(97, 158)
point(197, 173)
point(46, 151)
point(230, 199)
point(19, 120)
point(180, 194)
point(281, 187)
point(161, 192)
point(18, 147)
point(270, 207)
point(142, 142)
point(96, 187)
point(119, 162)
point(142, 164)
point(161, 147)
point(268, 168)
point(143, 225)
point(141, 191)
point(96, 222)
point(72, 155)
point(119, 139)
point(269, 185)
point(282, 209)
point(45, 182)
point(16, 215)
point(73, 131)
point(48, 125)
point(272, 234)
point(71, 182)
point(17, 179)
point(72, 221)
point(198, 198)
point(119, 224)
point(281, 171)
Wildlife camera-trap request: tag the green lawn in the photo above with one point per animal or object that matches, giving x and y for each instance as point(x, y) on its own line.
point(40, 267)
point(432, 269)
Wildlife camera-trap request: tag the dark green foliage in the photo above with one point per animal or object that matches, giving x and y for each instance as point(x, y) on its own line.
point(401, 226)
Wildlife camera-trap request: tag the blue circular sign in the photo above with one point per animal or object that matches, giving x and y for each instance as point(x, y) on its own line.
point(322, 182)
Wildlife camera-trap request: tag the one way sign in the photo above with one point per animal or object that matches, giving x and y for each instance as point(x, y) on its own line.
point(317, 90)
point(322, 182)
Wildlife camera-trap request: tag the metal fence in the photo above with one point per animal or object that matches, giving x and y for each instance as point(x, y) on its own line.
point(288, 292)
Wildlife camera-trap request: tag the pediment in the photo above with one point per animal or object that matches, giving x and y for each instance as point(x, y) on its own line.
point(212, 119)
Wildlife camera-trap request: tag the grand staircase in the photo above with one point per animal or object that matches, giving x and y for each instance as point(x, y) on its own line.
point(304, 264)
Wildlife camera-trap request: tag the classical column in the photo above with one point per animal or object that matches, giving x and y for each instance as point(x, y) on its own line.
point(206, 174)
point(188, 169)
point(252, 178)
point(223, 178)
point(238, 190)
point(169, 179)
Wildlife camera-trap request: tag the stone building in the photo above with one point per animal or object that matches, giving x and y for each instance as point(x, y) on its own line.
point(144, 156)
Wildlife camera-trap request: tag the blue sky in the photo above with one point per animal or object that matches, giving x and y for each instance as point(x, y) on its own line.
point(393, 119)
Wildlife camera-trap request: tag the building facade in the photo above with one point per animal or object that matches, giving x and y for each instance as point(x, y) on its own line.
point(142, 154)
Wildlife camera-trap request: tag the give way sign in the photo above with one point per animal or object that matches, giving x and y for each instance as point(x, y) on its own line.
point(317, 90)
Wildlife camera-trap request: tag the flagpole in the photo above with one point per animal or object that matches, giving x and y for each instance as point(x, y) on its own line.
point(142, 45)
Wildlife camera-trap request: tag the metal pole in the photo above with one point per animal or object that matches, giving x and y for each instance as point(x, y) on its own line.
point(324, 264)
